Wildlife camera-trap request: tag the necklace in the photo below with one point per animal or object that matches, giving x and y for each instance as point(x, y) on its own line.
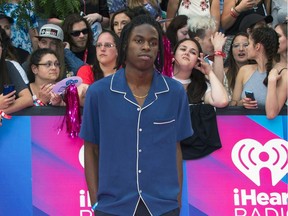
point(140, 97)
point(184, 82)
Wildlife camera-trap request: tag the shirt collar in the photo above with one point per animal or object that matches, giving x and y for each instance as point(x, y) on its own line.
point(119, 85)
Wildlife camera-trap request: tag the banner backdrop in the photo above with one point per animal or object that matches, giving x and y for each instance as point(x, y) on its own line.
point(248, 175)
point(42, 170)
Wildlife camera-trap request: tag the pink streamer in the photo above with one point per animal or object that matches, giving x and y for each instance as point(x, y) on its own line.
point(73, 114)
point(168, 56)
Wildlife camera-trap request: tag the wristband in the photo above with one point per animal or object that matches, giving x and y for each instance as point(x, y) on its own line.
point(220, 53)
point(4, 115)
point(94, 206)
point(37, 102)
point(233, 13)
point(238, 12)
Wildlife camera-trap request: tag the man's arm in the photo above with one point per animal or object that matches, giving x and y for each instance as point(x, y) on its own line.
point(180, 172)
point(91, 161)
point(171, 10)
point(34, 40)
point(218, 41)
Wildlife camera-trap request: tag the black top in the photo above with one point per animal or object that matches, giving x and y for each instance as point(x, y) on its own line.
point(22, 55)
point(91, 55)
point(89, 8)
point(15, 77)
point(234, 29)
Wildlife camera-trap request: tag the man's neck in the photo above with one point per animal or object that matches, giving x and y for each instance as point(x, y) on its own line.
point(77, 49)
point(138, 77)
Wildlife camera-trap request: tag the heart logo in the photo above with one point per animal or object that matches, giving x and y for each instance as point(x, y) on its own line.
point(250, 156)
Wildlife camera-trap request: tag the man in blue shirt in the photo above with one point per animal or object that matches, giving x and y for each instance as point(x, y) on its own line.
point(133, 123)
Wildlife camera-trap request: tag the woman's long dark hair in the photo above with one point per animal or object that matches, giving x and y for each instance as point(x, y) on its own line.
point(283, 27)
point(67, 27)
point(127, 12)
point(270, 41)
point(231, 64)
point(197, 88)
point(177, 23)
point(4, 77)
point(97, 71)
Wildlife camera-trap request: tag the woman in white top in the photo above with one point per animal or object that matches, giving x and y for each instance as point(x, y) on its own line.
point(196, 75)
point(194, 8)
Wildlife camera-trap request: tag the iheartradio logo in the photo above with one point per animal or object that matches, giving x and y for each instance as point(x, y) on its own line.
point(250, 156)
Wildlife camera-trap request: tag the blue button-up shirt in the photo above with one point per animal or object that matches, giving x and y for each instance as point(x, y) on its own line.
point(137, 145)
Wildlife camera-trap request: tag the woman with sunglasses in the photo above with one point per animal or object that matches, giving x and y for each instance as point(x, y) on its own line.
point(105, 64)
point(43, 72)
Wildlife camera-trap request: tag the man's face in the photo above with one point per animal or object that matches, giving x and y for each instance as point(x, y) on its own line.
point(47, 43)
point(79, 35)
point(5, 25)
point(143, 46)
point(206, 44)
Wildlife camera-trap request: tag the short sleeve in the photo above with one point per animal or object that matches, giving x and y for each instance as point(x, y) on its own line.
point(15, 77)
point(90, 129)
point(86, 74)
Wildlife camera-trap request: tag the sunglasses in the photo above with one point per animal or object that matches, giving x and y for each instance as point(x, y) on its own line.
point(77, 33)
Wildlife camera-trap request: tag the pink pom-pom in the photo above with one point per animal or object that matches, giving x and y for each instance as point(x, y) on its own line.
point(73, 114)
point(168, 56)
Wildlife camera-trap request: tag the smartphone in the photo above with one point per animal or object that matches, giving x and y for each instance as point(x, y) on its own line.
point(164, 20)
point(206, 59)
point(8, 88)
point(250, 94)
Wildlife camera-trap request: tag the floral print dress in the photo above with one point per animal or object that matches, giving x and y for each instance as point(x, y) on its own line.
point(194, 8)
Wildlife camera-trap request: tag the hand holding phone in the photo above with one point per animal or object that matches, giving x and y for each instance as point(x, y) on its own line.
point(8, 89)
point(250, 94)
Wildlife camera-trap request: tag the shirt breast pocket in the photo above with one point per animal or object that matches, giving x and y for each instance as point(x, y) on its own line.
point(165, 130)
point(163, 122)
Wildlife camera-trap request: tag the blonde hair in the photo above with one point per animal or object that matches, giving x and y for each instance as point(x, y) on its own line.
point(197, 25)
point(201, 22)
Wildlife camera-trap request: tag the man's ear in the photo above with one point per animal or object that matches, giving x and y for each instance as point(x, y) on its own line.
point(197, 38)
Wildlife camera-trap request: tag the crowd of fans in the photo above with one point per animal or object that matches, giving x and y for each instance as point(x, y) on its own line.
point(217, 49)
